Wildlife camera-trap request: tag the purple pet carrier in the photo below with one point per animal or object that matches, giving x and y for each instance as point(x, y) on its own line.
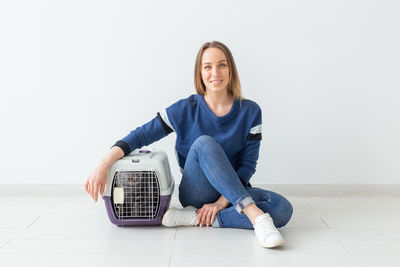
point(139, 188)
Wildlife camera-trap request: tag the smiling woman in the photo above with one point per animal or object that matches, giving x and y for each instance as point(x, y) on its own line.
point(214, 74)
point(215, 61)
point(218, 135)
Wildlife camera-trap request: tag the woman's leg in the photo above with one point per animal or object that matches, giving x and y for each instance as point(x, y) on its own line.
point(208, 174)
point(270, 202)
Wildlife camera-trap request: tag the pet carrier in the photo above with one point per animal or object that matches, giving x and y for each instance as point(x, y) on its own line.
point(139, 188)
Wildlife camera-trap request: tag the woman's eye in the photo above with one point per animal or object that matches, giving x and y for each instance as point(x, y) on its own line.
point(221, 65)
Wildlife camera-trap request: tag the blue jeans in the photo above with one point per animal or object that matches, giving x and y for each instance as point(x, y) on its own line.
point(208, 174)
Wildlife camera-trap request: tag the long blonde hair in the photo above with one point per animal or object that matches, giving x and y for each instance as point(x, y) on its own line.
point(234, 87)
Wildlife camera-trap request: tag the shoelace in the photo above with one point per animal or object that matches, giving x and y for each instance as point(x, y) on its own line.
point(183, 219)
point(267, 225)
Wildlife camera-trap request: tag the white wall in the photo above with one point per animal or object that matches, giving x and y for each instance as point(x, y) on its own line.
point(75, 76)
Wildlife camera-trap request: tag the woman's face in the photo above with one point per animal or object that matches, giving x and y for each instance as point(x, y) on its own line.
point(214, 70)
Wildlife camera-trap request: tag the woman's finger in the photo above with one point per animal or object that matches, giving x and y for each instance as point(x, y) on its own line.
point(89, 188)
point(198, 210)
point(204, 217)
point(214, 214)
point(201, 215)
point(92, 190)
point(209, 215)
point(103, 185)
point(96, 191)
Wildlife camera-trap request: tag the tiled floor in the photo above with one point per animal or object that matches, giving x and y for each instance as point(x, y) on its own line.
point(60, 226)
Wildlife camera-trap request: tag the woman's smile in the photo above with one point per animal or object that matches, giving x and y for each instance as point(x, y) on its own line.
point(216, 82)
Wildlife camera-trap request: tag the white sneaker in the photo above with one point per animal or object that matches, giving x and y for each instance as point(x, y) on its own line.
point(267, 234)
point(180, 217)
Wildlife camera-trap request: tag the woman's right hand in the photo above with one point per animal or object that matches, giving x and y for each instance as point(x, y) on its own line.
point(97, 180)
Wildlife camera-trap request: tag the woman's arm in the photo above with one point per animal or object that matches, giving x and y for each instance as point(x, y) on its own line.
point(150, 132)
point(98, 178)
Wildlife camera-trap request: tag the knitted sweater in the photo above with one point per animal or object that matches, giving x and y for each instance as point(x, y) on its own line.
point(238, 132)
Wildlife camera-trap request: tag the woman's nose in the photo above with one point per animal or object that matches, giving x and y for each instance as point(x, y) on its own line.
point(215, 71)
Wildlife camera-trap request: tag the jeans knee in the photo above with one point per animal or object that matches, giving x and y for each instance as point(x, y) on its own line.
point(203, 140)
point(285, 212)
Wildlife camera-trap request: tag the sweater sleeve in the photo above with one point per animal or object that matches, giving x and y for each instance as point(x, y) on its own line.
point(248, 155)
point(148, 133)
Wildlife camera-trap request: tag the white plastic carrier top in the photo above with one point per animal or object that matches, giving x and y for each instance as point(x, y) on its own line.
point(144, 160)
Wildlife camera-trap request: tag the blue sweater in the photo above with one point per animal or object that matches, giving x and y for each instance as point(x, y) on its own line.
point(238, 132)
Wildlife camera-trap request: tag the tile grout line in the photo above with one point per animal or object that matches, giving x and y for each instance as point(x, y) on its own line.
point(8, 241)
point(37, 218)
point(170, 256)
point(55, 204)
point(343, 247)
point(310, 205)
point(324, 222)
point(169, 262)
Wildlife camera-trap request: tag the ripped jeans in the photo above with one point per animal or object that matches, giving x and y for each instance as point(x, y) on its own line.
point(208, 174)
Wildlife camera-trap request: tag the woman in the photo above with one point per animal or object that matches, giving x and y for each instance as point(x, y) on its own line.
point(217, 146)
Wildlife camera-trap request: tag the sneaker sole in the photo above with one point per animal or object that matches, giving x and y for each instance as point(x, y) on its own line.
point(164, 219)
point(274, 245)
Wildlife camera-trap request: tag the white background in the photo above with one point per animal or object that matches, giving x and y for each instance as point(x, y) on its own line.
point(76, 76)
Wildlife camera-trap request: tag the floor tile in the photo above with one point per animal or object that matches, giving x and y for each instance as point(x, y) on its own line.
point(9, 233)
point(87, 246)
point(261, 260)
point(250, 245)
point(168, 246)
point(83, 204)
point(372, 247)
point(293, 234)
point(96, 233)
point(210, 233)
point(3, 242)
point(59, 224)
point(305, 222)
point(387, 260)
point(79, 259)
point(355, 218)
point(20, 203)
point(84, 221)
point(353, 203)
point(17, 221)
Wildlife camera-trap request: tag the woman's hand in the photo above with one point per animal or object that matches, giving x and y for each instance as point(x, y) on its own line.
point(97, 180)
point(206, 214)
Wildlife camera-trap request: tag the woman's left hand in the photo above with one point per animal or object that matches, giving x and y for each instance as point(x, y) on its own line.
point(206, 214)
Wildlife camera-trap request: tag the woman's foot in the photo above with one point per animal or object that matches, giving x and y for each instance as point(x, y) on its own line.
point(267, 234)
point(180, 217)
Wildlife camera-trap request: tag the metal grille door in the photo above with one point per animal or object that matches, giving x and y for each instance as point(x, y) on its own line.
point(138, 193)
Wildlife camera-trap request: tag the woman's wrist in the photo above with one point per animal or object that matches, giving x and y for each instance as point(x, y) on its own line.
point(114, 154)
point(104, 163)
point(223, 202)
